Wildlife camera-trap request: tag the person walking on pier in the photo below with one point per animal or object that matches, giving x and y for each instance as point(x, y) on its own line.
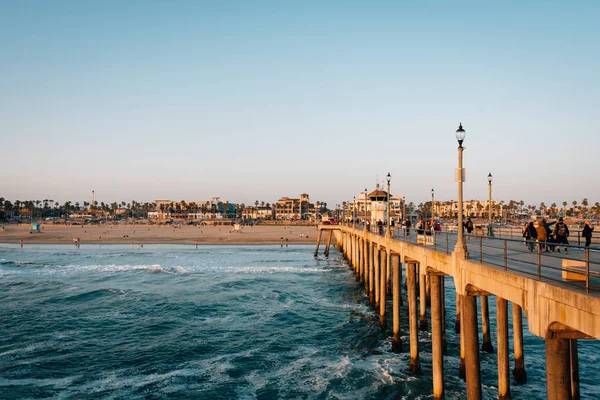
point(587, 232)
point(561, 233)
point(530, 236)
point(469, 226)
point(541, 235)
point(407, 226)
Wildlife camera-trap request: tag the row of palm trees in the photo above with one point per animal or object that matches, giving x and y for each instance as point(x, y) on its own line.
point(50, 208)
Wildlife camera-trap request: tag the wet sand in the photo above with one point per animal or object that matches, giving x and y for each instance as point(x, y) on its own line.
point(188, 234)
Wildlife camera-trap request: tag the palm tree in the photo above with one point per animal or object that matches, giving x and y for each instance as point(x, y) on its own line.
point(584, 203)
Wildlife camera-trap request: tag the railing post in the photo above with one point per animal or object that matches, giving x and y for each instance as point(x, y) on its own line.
point(434, 240)
point(578, 238)
point(505, 257)
point(481, 249)
point(587, 269)
point(447, 247)
point(539, 262)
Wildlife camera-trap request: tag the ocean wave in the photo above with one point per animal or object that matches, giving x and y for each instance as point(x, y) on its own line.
point(270, 270)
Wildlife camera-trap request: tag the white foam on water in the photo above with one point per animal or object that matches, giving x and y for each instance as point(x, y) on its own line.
point(269, 270)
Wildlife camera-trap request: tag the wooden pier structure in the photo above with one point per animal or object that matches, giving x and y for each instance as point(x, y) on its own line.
point(558, 313)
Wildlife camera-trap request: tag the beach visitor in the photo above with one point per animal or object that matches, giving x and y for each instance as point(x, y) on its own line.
point(541, 234)
point(561, 233)
point(530, 236)
point(469, 226)
point(587, 232)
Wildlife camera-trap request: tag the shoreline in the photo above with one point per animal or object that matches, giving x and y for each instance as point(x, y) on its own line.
point(152, 234)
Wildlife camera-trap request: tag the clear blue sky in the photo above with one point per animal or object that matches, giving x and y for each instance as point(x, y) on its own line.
point(255, 100)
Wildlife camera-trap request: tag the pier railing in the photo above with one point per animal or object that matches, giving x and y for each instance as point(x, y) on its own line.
point(578, 269)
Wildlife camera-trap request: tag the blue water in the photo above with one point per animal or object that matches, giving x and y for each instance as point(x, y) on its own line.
point(217, 322)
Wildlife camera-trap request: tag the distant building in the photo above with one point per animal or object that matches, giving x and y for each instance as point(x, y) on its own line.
point(293, 209)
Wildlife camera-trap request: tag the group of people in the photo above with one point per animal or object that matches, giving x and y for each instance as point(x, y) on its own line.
point(550, 239)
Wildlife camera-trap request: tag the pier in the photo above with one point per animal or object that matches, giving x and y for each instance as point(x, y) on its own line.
point(559, 295)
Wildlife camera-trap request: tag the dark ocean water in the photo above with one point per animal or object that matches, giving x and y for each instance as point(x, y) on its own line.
point(218, 322)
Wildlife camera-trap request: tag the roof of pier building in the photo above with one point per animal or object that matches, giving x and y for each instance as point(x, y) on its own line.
point(378, 195)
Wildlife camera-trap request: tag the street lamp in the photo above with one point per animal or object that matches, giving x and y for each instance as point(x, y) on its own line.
point(490, 230)
point(365, 227)
point(461, 246)
point(432, 205)
point(353, 212)
point(389, 218)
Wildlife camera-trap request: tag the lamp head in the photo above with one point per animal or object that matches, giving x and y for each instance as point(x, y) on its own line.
point(389, 178)
point(460, 134)
point(490, 177)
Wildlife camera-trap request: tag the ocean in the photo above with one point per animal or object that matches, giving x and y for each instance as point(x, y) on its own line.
point(218, 322)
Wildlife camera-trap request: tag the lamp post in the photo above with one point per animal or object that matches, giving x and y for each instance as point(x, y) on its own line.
point(365, 228)
point(490, 230)
point(389, 220)
point(461, 246)
point(354, 212)
point(432, 206)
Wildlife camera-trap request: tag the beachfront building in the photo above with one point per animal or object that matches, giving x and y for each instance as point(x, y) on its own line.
point(373, 207)
point(472, 208)
point(294, 208)
point(194, 211)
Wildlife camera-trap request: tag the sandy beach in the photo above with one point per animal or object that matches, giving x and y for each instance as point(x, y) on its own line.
point(187, 234)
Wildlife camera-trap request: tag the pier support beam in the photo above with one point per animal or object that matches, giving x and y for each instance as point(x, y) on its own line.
point(575, 395)
point(558, 369)
point(361, 264)
point(437, 351)
point(367, 267)
point(372, 273)
point(328, 243)
point(411, 273)
point(422, 298)
point(519, 370)
point(503, 366)
point(457, 321)
point(460, 299)
point(382, 289)
point(318, 243)
point(472, 367)
point(443, 294)
point(396, 340)
point(485, 325)
point(377, 277)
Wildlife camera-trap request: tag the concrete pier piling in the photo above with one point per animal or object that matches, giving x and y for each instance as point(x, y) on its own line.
point(472, 367)
point(367, 267)
point(503, 365)
point(396, 340)
point(486, 345)
point(437, 351)
point(411, 273)
point(558, 369)
point(318, 243)
point(328, 243)
point(574, 361)
point(457, 321)
point(461, 367)
point(422, 298)
point(382, 289)
point(519, 370)
point(377, 277)
point(372, 273)
point(443, 294)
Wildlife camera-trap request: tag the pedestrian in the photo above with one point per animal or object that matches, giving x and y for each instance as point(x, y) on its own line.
point(407, 225)
point(531, 236)
point(587, 232)
point(561, 233)
point(469, 226)
point(541, 235)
